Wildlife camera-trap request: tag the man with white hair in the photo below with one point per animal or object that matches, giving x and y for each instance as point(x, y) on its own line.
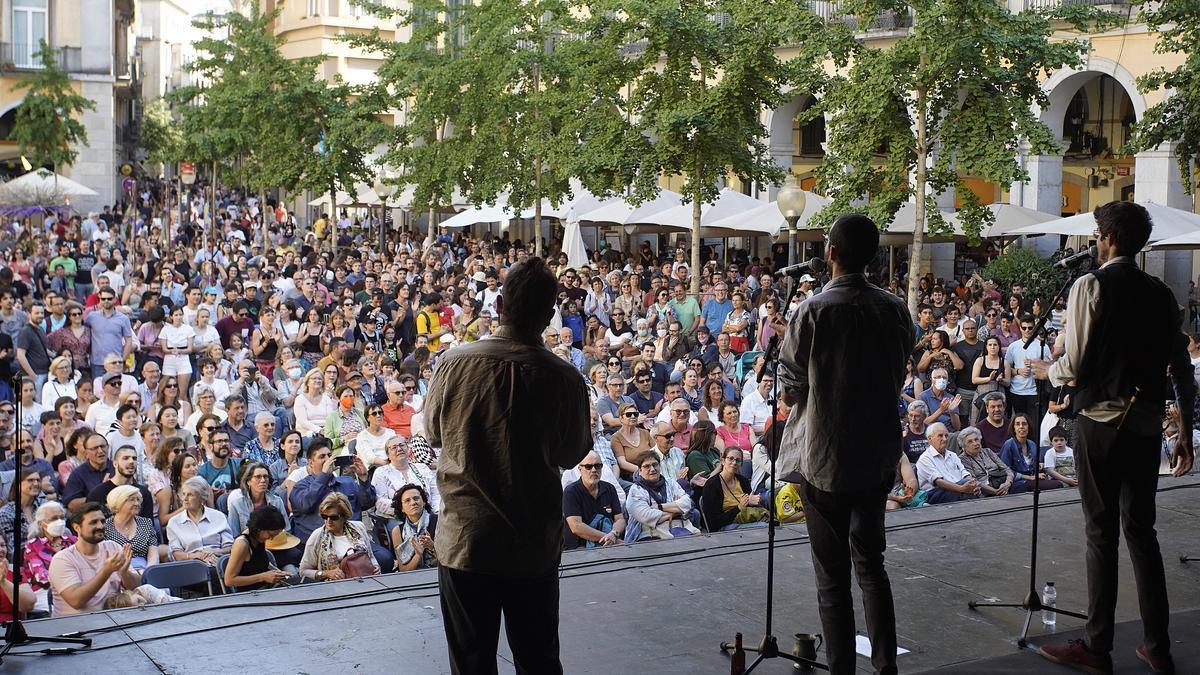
point(941, 474)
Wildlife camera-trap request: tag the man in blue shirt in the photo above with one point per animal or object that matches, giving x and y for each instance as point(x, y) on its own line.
point(89, 475)
point(111, 331)
point(1022, 389)
point(941, 404)
point(716, 309)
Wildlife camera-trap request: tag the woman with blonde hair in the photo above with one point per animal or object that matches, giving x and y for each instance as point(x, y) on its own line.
point(61, 382)
point(340, 539)
point(312, 405)
point(125, 526)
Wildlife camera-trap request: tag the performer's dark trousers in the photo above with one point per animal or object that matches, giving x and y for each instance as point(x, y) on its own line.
point(845, 527)
point(1118, 478)
point(471, 607)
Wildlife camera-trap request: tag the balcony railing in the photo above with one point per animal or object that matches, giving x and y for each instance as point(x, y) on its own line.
point(16, 57)
point(830, 10)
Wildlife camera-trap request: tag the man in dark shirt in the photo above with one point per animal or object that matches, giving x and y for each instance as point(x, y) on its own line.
point(125, 468)
point(993, 427)
point(33, 355)
point(591, 509)
point(237, 323)
point(507, 414)
point(969, 348)
point(843, 439)
point(88, 475)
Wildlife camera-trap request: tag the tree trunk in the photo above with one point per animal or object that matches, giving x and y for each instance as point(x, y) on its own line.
point(914, 261)
point(212, 211)
point(333, 236)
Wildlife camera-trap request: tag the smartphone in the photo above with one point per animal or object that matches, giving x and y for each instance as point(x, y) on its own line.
point(343, 461)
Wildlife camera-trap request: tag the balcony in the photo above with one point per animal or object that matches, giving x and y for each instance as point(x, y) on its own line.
point(830, 11)
point(22, 58)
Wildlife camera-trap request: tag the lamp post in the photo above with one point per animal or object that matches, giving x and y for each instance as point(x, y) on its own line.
point(384, 190)
point(790, 201)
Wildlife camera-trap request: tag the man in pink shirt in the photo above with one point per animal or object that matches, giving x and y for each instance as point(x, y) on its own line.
point(86, 574)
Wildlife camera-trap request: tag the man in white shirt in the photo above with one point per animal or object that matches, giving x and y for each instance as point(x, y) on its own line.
point(755, 409)
point(941, 474)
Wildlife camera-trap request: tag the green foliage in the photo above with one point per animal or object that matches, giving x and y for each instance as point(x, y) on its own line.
point(1177, 118)
point(952, 97)
point(1039, 275)
point(270, 120)
point(707, 70)
point(47, 125)
point(160, 137)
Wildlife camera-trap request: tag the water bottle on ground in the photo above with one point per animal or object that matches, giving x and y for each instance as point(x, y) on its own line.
point(1049, 599)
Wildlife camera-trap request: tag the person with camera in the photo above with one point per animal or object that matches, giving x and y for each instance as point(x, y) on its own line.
point(1123, 337)
point(842, 436)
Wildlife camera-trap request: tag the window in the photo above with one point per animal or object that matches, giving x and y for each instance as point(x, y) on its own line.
point(29, 30)
point(314, 8)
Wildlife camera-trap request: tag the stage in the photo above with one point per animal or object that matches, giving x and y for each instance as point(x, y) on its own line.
point(664, 607)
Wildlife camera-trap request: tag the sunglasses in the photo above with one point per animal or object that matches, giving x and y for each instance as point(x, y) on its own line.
point(335, 517)
point(614, 363)
point(170, 385)
point(631, 414)
point(375, 413)
point(592, 467)
point(680, 412)
point(1026, 327)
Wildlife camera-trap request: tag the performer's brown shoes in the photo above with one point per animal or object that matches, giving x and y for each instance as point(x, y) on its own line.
point(1075, 654)
point(1157, 665)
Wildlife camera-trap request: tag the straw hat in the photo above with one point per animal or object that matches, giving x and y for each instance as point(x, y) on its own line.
point(282, 541)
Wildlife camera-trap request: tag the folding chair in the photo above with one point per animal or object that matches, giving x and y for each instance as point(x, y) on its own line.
point(175, 575)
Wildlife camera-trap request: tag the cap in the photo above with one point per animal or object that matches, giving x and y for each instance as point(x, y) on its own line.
point(479, 276)
point(111, 376)
point(211, 290)
point(809, 278)
point(353, 375)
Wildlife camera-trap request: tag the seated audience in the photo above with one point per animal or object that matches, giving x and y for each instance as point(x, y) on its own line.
point(940, 473)
point(198, 532)
point(84, 575)
point(591, 509)
point(126, 527)
point(728, 500)
point(655, 503)
point(249, 568)
point(1020, 453)
point(339, 539)
point(412, 537)
point(1060, 459)
point(989, 471)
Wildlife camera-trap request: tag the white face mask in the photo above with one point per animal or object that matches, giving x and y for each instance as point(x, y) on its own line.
point(939, 383)
point(662, 332)
point(643, 331)
point(55, 528)
point(295, 373)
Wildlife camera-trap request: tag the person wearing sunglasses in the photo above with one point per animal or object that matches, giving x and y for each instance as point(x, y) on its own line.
point(591, 509)
point(1022, 388)
point(659, 508)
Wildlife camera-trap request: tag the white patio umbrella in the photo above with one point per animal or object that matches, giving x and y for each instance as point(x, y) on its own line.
point(900, 231)
point(1168, 222)
point(573, 244)
point(618, 210)
point(766, 217)
point(487, 213)
point(729, 203)
point(1010, 217)
point(1182, 242)
point(43, 187)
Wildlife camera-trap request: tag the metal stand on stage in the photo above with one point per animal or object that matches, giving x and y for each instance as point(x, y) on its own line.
point(1185, 558)
point(1033, 601)
point(768, 648)
point(15, 634)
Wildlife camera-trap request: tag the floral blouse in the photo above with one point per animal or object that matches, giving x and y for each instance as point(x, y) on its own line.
point(38, 553)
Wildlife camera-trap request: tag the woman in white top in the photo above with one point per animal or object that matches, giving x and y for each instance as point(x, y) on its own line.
point(370, 443)
point(313, 405)
point(288, 327)
point(208, 378)
point(176, 340)
point(206, 334)
point(61, 383)
point(399, 472)
point(198, 532)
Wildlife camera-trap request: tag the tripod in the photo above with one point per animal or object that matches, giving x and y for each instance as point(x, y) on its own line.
point(15, 634)
point(1033, 602)
point(768, 648)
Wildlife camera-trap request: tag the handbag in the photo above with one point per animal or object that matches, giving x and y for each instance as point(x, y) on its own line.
point(357, 564)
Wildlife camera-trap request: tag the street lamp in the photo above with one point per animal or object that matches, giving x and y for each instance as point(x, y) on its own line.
point(384, 190)
point(790, 201)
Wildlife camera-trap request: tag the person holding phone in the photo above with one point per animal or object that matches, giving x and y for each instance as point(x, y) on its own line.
point(249, 567)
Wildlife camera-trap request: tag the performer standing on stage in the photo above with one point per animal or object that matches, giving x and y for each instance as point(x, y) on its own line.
point(507, 413)
point(842, 367)
point(1123, 332)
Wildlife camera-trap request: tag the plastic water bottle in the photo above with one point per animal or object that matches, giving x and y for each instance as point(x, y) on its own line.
point(1049, 600)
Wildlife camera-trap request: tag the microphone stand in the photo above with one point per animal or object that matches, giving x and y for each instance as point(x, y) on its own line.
point(768, 648)
point(1033, 601)
point(15, 633)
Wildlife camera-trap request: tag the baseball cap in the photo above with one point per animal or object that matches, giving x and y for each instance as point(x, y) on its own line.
point(809, 278)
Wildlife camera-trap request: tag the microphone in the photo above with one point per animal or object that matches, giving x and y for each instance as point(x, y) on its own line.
point(813, 266)
point(1087, 254)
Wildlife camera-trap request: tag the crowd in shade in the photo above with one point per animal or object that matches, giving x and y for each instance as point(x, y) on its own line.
point(252, 401)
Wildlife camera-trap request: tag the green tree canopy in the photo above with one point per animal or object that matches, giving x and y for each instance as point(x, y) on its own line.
point(47, 125)
point(953, 96)
point(1176, 119)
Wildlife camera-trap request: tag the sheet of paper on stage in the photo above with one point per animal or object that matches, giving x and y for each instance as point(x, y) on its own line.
point(863, 646)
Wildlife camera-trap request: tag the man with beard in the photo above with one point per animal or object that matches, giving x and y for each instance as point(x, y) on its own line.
point(87, 573)
point(125, 464)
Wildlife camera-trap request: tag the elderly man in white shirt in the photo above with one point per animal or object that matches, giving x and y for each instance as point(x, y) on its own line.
point(941, 473)
point(756, 409)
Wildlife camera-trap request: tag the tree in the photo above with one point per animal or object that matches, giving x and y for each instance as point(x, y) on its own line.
point(953, 96)
point(160, 137)
point(510, 100)
point(1177, 118)
point(47, 125)
point(708, 69)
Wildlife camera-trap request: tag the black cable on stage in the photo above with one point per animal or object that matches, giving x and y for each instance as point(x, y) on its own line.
point(651, 561)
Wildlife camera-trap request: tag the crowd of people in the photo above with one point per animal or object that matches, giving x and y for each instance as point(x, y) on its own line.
point(254, 400)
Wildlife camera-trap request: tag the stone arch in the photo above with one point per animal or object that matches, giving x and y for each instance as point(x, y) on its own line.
point(1062, 85)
